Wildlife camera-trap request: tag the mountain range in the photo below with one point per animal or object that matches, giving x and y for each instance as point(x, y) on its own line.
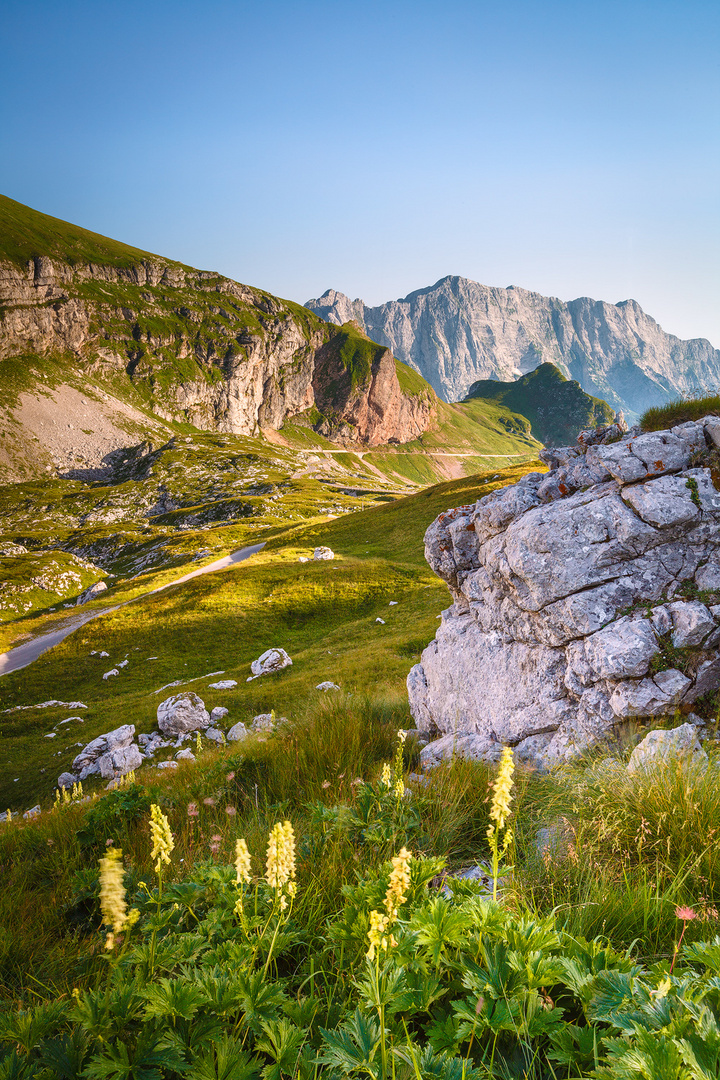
point(457, 332)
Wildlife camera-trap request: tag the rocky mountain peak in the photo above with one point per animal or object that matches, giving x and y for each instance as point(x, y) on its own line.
point(458, 331)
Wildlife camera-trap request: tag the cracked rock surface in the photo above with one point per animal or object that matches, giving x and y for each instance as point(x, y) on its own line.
point(581, 597)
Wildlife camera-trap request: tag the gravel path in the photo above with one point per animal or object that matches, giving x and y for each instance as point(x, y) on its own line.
point(22, 655)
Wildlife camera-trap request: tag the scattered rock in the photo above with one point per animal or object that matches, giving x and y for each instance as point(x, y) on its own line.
point(91, 593)
point(215, 735)
point(237, 733)
point(66, 780)
point(303, 558)
point(182, 713)
point(681, 744)
point(185, 755)
point(272, 660)
point(218, 713)
point(393, 603)
point(323, 553)
point(267, 721)
point(51, 734)
point(380, 620)
point(327, 686)
point(112, 671)
point(33, 812)
point(123, 663)
point(87, 762)
point(167, 765)
point(224, 684)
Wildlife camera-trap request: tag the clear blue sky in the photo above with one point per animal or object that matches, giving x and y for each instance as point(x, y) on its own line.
point(567, 147)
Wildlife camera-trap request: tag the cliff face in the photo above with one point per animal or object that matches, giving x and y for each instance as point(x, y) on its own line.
point(458, 331)
point(187, 344)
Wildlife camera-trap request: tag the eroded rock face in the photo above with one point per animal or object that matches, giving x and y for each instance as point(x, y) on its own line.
point(570, 599)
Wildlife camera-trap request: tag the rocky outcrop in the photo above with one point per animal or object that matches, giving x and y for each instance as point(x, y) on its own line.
point(582, 597)
point(458, 331)
point(197, 346)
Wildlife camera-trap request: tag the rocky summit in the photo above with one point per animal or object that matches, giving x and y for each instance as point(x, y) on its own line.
point(459, 331)
point(582, 598)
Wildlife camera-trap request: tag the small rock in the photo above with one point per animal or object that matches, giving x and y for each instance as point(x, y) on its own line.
point(323, 553)
point(185, 755)
point(66, 780)
point(51, 734)
point(103, 654)
point(380, 620)
point(123, 663)
point(681, 744)
point(112, 671)
point(266, 721)
point(393, 603)
point(272, 660)
point(215, 735)
point(33, 812)
point(237, 733)
point(327, 686)
point(303, 559)
point(224, 684)
point(182, 713)
point(91, 593)
point(167, 765)
point(217, 713)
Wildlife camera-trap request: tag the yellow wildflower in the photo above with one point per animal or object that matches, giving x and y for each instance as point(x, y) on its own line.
point(399, 788)
point(112, 894)
point(386, 775)
point(280, 860)
point(242, 862)
point(399, 884)
point(402, 736)
point(162, 838)
point(378, 936)
point(500, 808)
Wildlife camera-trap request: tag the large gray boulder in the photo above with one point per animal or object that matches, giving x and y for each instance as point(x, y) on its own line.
point(182, 713)
point(104, 747)
point(568, 599)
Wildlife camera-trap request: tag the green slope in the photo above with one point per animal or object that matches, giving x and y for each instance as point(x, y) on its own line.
point(556, 407)
point(26, 233)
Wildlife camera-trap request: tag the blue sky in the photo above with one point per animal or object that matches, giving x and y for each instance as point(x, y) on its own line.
point(572, 148)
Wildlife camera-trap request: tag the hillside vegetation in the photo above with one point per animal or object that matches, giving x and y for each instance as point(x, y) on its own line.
point(556, 407)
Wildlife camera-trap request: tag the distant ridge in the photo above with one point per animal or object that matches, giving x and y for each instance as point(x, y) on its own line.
point(457, 332)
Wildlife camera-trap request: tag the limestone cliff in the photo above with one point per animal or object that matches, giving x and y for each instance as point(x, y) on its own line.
point(186, 344)
point(458, 331)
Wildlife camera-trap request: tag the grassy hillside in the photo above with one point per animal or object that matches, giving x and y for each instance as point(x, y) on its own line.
point(556, 407)
point(26, 234)
point(323, 614)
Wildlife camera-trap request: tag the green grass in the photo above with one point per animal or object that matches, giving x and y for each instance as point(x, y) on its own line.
point(27, 233)
point(679, 412)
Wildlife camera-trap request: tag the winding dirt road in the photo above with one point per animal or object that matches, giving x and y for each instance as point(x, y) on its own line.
point(22, 655)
